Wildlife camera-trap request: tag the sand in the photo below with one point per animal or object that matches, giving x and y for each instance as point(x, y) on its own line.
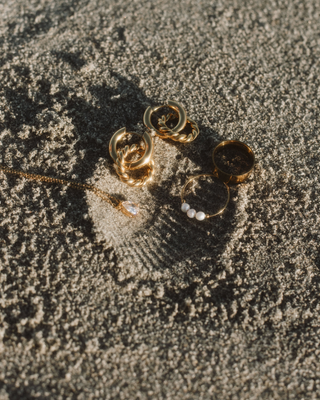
point(98, 306)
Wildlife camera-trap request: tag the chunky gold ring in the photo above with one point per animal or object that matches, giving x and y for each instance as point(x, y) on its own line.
point(225, 176)
point(200, 215)
point(176, 107)
point(146, 157)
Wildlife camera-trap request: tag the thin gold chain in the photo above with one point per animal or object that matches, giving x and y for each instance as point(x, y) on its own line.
point(73, 184)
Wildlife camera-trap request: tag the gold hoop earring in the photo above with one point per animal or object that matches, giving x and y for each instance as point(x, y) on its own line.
point(176, 133)
point(123, 167)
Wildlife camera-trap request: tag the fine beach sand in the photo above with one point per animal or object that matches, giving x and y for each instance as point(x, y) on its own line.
point(94, 305)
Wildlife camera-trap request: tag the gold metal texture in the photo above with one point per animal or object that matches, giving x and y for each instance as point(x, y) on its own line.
point(177, 107)
point(113, 201)
point(125, 178)
point(146, 157)
point(208, 175)
point(225, 176)
point(178, 136)
point(123, 172)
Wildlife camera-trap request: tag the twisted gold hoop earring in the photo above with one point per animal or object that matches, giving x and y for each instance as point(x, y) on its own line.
point(123, 167)
point(177, 107)
point(163, 131)
point(144, 160)
point(126, 178)
point(178, 137)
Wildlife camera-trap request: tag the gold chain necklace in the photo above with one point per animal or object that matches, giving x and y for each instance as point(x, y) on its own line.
point(128, 208)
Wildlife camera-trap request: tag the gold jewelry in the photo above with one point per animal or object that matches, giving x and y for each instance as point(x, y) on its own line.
point(163, 131)
point(124, 176)
point(144, 160)
point(122, 166)
point(128, 208)
point(200, 215)
point(226, 176)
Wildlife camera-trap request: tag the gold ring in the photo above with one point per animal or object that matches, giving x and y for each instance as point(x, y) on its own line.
point(226, 176)
point(200, 215)
point(144, 160)
point(171, 104)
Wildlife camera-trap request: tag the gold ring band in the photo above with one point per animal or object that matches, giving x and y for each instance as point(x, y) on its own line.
point(225, 176)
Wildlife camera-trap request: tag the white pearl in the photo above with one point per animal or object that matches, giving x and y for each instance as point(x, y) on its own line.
point(200, 216)
point(185, 207)
point(191, 213)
